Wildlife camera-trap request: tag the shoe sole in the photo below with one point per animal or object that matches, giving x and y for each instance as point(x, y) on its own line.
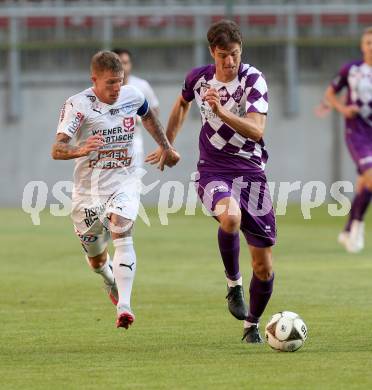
point(125, 320)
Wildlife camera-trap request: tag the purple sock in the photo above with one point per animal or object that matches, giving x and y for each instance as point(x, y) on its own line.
point(260, 293)
point(229, 245)
point(363, 202)
point(359, 207)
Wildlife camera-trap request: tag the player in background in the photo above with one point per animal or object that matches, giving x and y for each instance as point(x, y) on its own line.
point(105, 200)
point(129, 79)
point(233, 102)
point(356, 77)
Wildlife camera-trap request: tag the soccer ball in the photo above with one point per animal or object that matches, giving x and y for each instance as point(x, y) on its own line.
point(286, 331)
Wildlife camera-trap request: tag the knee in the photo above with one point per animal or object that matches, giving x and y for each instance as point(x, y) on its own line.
point(98, 261)
point(120, 227)
point(366, 180)
point(262, 267)
point(230, 223)
point(263, 272)
point(368, 184)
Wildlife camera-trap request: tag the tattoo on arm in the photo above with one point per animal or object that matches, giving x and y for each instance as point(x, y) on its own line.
point(155, 128)
point(62, 150)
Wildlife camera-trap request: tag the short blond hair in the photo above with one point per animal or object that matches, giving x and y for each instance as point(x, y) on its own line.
point(106, 60)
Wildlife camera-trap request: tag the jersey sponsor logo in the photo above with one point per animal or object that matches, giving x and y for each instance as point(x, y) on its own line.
point(128, 124)
point(115, 135)
point(62, 114)
point(111, 159)
point(92, 214)
point(92, 98)
point(128, 108)
point(220, 188)
point(224, 95)
point(114, 111)
point(203, 89)
point(207, 112)
point(76, 123)
point(88, 238)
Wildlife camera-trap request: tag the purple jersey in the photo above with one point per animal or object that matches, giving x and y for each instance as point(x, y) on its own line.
point(222, 149)
point(356, 76)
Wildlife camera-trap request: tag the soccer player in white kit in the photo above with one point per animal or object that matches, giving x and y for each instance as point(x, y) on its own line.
point(105, 199)
point(129, 79)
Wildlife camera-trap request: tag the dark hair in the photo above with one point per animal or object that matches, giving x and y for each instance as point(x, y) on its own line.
point(223, 33)
point(119, 52)
point(106, 60)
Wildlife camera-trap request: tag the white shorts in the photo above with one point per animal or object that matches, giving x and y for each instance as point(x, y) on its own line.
point(90, 216)
point(94, 244)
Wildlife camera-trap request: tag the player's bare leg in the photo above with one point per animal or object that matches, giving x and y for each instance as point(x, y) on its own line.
point(260, 290)
point(228, 241)
point(124, 267)
point(101, 264)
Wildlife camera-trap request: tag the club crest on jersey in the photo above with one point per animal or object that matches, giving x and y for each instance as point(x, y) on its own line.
point(238, 94)
point(203, 89)
point(128, 124)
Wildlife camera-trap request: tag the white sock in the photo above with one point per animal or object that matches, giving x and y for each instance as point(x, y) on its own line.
point(248, 324)
point(124, 265)
point(105, 271)
point(233, 283)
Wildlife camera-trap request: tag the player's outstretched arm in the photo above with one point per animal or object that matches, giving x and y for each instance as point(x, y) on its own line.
point(168, 155)
point(63, 150)
point(175, 122)
point(348, 111)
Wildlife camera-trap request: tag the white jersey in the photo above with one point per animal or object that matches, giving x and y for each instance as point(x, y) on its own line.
point(153, 101)
point(103, 172)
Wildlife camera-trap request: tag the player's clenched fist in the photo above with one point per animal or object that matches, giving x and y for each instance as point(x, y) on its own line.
point(94, 142)
point(213, 99)
point(169, 158)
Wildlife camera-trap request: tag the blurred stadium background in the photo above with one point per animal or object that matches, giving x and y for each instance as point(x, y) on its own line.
point(46, 47)
point(56, 324)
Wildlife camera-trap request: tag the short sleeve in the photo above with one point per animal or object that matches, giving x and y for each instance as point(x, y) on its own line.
point(340, 81)
point(257, 94)
point(144, 109)
point(71, 118)
point(188, 87)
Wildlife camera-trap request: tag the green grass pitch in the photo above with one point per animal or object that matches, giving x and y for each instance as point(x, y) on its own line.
point(57, 325)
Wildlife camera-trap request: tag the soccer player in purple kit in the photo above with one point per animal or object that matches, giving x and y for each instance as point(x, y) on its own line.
point(356, 76)
point(233, 102)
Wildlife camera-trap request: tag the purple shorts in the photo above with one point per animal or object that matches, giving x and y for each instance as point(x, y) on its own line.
point(360, 148)
point(253, 197)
